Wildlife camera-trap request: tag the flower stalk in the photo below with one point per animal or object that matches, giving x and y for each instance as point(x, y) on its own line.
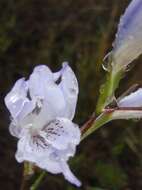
point(93, 124)
point(38, 181)
point(28, 172)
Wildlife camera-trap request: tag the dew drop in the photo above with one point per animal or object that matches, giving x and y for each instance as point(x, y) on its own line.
point(107, 62)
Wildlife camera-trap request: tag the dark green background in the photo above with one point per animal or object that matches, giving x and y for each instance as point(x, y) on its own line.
point(49, 32)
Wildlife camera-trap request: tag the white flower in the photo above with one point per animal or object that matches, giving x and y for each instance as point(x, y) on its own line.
point(42, 109)
point(129, 107)
point(132, 100)
point(128, 42)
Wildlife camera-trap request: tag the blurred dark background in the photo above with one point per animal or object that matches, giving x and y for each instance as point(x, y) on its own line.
point(49, 32)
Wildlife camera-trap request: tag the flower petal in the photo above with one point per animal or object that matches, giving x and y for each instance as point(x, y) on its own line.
point(61, 132)
point(69, 86)
point(38, 80)
point(128, 42)
point(69, 175)
point(17, 102)
point(42, 86)
point(132, 100)
point(14, 129)
point(31, 148)
point(35, 148)
point(57, 75)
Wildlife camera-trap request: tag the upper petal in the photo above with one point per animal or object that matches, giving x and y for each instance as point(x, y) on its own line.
point(132, 100)
point(69, 87)
point(14, 129)
point(128, 42)
point(42, 86)
point(40, 78)
point(17, 102)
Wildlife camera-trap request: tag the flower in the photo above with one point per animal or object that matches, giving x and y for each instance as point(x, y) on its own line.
point(129, 107)
point(128, 43)
point(42, 109)
point(132, 100)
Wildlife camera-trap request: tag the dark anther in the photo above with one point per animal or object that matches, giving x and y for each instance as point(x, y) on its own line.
point(28, 95)
point(58, 80)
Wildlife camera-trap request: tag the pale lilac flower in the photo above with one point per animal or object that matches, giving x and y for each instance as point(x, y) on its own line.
point(132, 100)
point(129, 107)
point(128, 43)
point(42, 109)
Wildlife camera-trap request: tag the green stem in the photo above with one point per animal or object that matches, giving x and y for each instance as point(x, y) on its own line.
point(107, 89)
point(94, 125)
point(38, 181)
